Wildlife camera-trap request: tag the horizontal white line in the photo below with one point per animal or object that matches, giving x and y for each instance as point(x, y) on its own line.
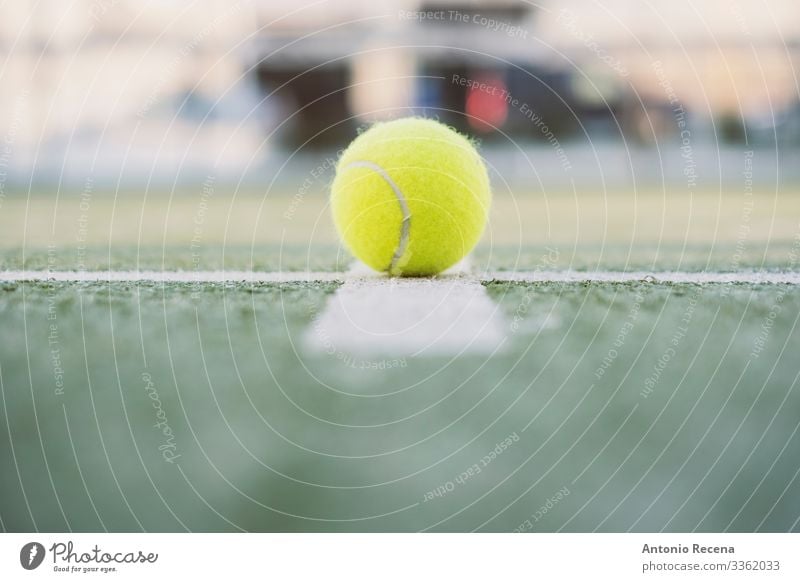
point(789, 277)
point(792, 277)
point(172, 276)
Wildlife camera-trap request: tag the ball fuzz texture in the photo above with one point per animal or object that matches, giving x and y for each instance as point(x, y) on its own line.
point(410, 197)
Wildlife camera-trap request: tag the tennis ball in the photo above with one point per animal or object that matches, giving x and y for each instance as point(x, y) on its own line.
point(410, 197)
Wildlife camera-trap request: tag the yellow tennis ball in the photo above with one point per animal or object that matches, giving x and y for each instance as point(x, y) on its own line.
point(410, 197)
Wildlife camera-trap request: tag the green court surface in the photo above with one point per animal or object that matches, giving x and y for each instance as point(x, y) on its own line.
point(268, 231)
point(613, 407)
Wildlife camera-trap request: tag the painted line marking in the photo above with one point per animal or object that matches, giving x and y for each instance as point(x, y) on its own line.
point(792, 278)
point(399, 318)
point(378, 316)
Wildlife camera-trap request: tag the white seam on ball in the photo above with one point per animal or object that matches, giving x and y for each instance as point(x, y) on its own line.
point(405, 226)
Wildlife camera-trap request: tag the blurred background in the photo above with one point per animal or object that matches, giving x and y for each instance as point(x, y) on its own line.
point(124, 93)
point(620, 135)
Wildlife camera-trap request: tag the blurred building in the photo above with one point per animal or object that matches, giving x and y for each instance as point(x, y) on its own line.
point(728, 61)
point(619, 66)
point(172, 87)
point(374, 60)
point(113, 87)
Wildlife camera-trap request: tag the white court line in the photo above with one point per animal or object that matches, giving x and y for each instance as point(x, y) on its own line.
point(792, 278)
point(399, 318)
point(171, 276)
point(371, 315)
point(377, 316)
